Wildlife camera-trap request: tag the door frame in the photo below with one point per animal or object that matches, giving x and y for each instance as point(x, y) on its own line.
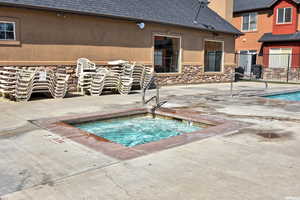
point(249, 60)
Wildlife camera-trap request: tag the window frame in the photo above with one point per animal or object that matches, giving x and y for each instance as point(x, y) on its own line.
point(290, 58)
point(14, 30)
point(284, 11)
point(223, 57)
point(180, 52)
point(249, 22)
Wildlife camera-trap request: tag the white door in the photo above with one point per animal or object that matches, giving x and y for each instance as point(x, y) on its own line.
point(247, 59)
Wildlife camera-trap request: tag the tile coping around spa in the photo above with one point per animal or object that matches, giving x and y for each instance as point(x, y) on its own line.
point(62, 126)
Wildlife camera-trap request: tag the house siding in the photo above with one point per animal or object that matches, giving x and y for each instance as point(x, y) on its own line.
point(249, 41)
point(288, 28)
point(295, 46)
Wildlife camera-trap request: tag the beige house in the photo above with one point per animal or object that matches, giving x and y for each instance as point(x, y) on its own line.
point(185, 41)
point(223, 7)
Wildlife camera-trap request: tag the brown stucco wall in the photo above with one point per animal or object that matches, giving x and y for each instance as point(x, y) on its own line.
point(46, 37)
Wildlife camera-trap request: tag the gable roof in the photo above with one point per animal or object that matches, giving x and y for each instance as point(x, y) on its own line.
point(173, 12)
point(249, 5)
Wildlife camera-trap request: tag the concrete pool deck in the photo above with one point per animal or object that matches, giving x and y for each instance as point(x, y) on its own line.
point(246, 164)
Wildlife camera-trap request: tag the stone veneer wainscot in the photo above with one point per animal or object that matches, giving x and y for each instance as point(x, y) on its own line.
point(191, 74)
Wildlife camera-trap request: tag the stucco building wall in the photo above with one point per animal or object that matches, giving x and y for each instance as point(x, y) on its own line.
point(46, 38)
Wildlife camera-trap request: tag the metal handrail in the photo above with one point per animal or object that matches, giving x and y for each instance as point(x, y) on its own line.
point(250, 76)
point(158, 104)
point(156, 97)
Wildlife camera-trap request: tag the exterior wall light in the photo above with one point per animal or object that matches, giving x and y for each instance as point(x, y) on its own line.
point(61, 15)
point(141, 25)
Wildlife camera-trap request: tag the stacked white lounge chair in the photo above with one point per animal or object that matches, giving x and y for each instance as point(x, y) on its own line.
point(8, 76)
point(58, 84)
point(20, 83)
point(98, 81)
point(126, 79)
point(141, 75)
point(94, 80)
point(24, 85)
point(137, 75)
point(37, 81)
point(112, 80)
point(120, 78)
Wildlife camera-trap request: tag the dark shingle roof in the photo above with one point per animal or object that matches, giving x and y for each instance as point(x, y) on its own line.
point(174, 12)
point(248, 5)
point(269, 37)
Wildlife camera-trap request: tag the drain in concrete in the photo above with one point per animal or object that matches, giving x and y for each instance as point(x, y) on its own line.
point(269, 135)
point(266, 135)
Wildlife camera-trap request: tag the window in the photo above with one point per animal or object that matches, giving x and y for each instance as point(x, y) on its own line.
point(284, 15)
point(249, 22)
point(166, 54)
point(280, 57)
point(213, 59)
point(7, 31)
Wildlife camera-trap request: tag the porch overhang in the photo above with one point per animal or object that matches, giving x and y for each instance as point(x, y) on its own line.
point(269, 37)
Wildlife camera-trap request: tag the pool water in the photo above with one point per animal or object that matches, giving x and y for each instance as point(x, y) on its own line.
point(294, 96)
point(139, 130)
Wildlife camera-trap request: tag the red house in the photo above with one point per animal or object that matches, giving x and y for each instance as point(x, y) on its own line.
point(271, 30)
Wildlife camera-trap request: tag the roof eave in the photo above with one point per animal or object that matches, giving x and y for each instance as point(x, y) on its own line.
point(250, 10)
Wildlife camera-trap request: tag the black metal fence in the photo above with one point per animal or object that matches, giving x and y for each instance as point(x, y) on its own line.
point(279, 67)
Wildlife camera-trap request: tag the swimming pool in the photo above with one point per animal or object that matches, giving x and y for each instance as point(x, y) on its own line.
point(291, 96)
point(138, 130)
